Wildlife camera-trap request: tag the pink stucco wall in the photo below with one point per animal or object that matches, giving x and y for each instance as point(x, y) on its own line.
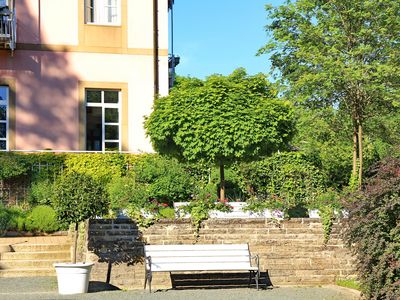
point(47, 105)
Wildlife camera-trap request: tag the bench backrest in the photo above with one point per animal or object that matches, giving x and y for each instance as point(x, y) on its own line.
point(198, 257)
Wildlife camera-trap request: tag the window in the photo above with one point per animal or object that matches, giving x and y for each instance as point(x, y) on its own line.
point(4, 95)
point(103, 12)
point(103, 120)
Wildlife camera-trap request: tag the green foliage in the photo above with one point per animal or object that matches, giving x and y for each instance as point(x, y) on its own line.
point(167, 213)
point(78, 197)
point(164, 179)
point(12, 218)
point(100, 166)
point(12, 165)
point(122, 191)
point(41, 192)
point(42, 218)
point(349, 283)
point(199, 210)
point(5, 219)
point(224, 118)
point(283, 181)
point(341, 53)
point(373, 231)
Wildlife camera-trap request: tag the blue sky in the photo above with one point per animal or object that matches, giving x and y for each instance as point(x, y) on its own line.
point(218, 36)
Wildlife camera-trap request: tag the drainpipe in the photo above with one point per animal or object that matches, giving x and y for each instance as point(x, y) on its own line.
point(155, 49)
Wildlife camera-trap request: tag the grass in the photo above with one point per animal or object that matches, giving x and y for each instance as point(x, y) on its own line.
point(349, 283)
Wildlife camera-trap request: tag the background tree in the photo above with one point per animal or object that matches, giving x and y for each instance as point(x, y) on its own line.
point(340, 53)
point(221, 120)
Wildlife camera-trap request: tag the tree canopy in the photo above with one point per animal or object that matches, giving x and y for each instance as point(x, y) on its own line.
point(221, 119)
point(341, 53)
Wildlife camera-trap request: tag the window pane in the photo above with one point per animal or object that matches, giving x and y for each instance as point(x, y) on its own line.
point(111, 96)
point(93, 129)
point(3, 112)
point(112, 146)
point(3, 92)
point(3, 130)
point(111, 115)
point(112, 132)
point(93, 96)
point(3, 145)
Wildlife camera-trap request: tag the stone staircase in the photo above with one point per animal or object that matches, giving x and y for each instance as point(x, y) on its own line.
point(33, 256)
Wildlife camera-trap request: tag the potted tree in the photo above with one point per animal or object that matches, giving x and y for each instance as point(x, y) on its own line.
point(77, 197)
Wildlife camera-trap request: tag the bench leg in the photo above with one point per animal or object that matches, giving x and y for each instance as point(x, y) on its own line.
point(147, 278)
point(257, 278)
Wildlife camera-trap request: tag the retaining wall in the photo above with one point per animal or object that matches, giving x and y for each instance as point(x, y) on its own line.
point(292, 252)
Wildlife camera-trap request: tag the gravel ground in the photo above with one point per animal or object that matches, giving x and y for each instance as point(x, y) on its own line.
point(45, 288)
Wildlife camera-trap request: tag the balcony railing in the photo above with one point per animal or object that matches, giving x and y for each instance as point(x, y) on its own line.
point(8, 31)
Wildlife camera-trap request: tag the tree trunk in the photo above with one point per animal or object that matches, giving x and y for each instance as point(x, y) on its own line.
point(354, 170)
point(75, 244)
point(222, 181)
point(360, 154)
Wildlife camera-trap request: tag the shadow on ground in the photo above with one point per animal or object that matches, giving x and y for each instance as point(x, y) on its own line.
point(218, 281)
point(99, 286)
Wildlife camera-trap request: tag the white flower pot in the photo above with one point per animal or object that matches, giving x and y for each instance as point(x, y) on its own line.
point(73, 278)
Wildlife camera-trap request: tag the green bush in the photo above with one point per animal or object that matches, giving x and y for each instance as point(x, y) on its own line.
point(5, 220)
point(100, 166)
point(283, 181)
point(78, 197)
point(373, 231)
point(124, 191)
point(12, 218)
point(12, 165)
point(165, 179)
point(42, 218)
point(41, 192)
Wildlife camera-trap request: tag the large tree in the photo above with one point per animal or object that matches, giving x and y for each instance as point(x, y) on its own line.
point(340, 53)
point(221, 120)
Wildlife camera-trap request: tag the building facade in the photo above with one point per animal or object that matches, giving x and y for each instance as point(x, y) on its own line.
point(80, 75)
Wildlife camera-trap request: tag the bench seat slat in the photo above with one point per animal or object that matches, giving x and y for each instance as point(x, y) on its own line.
point(200, 259)
point(201, 267)
point(197, 253)
point(196, 247)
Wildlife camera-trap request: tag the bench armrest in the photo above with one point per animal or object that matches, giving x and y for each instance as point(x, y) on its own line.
point(256, 259)
point(147, 263)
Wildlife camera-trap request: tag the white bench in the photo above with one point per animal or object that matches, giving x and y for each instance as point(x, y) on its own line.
point(183, 258)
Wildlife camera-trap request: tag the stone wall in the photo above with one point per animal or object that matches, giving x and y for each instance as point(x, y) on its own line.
point(292, 252)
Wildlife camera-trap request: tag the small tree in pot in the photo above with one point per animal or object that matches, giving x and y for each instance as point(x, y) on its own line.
point(77, 197)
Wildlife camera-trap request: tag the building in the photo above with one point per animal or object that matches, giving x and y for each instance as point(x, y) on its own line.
point(80, 75)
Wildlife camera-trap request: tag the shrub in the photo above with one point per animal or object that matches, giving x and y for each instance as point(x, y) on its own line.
point(165, 179)
point(42, 218)
point(100, 166)
point(5, 219)
point(283, 181)
point(78, 197)
point(12, 218)
point(124, 191)
point(373, 231)
point(12, 165)
point(41, 192)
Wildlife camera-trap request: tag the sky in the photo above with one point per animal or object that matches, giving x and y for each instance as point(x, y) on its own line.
point(218, 36)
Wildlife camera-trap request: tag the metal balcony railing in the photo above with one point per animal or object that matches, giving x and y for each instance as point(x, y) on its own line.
point(8, 31)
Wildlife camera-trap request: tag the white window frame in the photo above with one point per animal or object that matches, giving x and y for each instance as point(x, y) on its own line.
point(6, 104)
point(100, 12)
point(103, 106)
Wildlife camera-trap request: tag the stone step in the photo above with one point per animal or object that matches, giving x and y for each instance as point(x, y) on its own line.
point(29, 264)
point(28, 272)
point(49, 239)
point(54, 255)
point(28, 247)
